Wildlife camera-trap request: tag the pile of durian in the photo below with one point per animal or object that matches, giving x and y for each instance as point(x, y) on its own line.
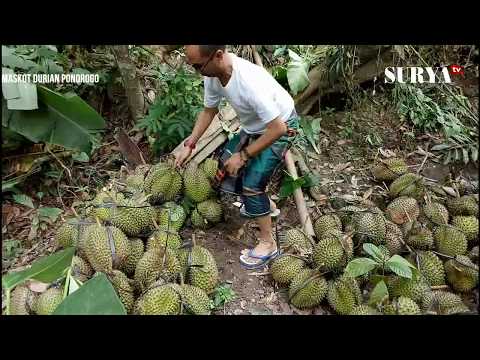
point(130, 232)
point(435, 232)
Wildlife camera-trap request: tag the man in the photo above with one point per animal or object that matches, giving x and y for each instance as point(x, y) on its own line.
point(266, 111)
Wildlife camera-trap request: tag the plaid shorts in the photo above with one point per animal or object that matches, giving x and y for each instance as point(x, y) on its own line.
point(252, 180)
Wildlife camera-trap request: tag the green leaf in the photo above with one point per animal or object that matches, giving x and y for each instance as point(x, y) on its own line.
point(51, 213)
point(58, 117)
point(96, 297)
point(379, 293)
point(289, 185)
point(81, 157)
point(297, 73)
point(311, 179)
point(374, 252)
point(440, 147)
point(360, 266)
point(24, 200)
point(46, 269)
point(400, 266)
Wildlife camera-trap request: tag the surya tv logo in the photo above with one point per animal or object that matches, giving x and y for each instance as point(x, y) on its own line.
point(419, 75)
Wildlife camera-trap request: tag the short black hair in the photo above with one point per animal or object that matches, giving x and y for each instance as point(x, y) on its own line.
point(207, 50)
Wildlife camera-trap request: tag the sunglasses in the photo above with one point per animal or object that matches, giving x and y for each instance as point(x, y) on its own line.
point(200, 67)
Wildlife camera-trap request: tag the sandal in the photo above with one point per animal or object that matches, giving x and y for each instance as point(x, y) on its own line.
point(264, 259)
point(243, 212)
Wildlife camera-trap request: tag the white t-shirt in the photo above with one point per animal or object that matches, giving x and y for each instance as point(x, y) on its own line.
point(253, 93)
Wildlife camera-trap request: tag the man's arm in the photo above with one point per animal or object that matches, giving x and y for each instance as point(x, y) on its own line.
point(203, 122)
point(274, 130)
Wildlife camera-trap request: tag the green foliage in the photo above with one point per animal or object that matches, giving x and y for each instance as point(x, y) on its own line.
point(429, 109)
point(96, 297)
point(42, 217)
point(297, 73)
point(10, 250)
point(378, 294)
point(223, 294)
point(174, 111)
point(289, 184)
point(46, 269)
point(379, 262)
point(310, 129)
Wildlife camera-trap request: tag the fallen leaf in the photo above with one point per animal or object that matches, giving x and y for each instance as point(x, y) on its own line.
point(37, 286)
point(386, 153)
point(285, 308)
point(354, 182)
point(302, 312)
point(368, 193)
point(450, 191)
point(243, 304)
point(344, 142)
point(341, 167)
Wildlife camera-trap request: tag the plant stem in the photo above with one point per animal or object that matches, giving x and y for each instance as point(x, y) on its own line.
point(7, 295)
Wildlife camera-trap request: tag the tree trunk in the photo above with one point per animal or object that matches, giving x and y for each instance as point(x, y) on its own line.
point(133, 89)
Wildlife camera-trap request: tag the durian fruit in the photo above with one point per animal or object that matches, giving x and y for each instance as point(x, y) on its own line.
point(197, 185)
point(67, 235)
point(402, 209)
point(444, 303)
point(71, 233)
point(209, 166)
point(409, 184)
point(171, 216)
point(106, 248)
point(465, 205)
point(103, 203)
point(166, 185)
point(349, 215)
point(414, 289)
point(22, 300)
point(468, 225)
point(123, 288)
point(363, 310)
point(325, 223)
point(134, 183)
point(402, 306)
point(81, 269)
point(285, 267)
point(436, 213)
point(370, 227)
point(389, 169)
point(133, 216)
point(344, 294)
point(194, 300)
point(135, 253)
point(430, 266)
point(199, 268)
point(155, 264)
point(159, 300)
point(393, 238)
point(210, 210)
point(198, 220)
point(307, 289)
point(418, 235)
point(296, 241)
point(48, 301)
point(162, 238)
point(333, 251)
point(462, 273)
point(450, 240)
point(153, 174)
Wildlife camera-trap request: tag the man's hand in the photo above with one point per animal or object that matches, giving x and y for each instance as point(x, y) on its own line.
point(182, 156)
point(234, 164)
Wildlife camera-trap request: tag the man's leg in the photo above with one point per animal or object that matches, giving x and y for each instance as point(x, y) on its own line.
point(266, 242)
